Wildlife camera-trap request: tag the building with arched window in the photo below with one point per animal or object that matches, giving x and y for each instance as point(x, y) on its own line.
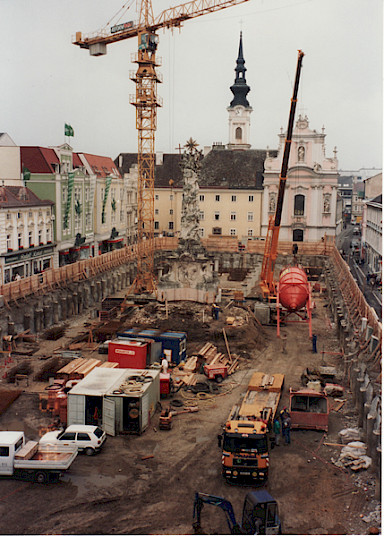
point(310, 199)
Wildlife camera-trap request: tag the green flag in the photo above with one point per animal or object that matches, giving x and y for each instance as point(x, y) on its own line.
point(108, 181)
point(26, 174)
point(68, 130)
point(71, 181)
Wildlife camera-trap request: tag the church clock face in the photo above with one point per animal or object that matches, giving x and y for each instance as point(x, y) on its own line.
point(238, 111)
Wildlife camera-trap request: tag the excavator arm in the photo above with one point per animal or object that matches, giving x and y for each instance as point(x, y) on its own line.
point(201, 498)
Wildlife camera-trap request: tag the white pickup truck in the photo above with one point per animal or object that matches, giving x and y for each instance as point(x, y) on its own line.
point(29, 460)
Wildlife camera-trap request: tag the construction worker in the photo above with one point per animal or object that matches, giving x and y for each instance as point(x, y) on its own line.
point(215, 311)
point(277, 431)
point(286, 427)
point(314, 344)
point(164, 364)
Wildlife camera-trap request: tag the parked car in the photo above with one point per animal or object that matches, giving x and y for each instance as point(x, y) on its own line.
point(356, 230)
point(87, 438)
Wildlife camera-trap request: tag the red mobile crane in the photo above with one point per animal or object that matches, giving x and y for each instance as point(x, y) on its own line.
point(292, 292)
point(267, 283)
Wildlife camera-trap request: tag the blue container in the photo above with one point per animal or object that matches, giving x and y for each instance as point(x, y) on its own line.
point(176, 342)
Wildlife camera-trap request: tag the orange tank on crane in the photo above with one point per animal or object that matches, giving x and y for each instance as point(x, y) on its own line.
point(294, 297)
point(293, 288)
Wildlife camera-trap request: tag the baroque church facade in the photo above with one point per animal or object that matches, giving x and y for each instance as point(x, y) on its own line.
point(310, 201)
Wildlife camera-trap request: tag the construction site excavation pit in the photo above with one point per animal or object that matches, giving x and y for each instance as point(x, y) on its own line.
point(145, 484)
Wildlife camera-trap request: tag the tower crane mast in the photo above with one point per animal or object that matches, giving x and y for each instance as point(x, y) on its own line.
point(146, 102)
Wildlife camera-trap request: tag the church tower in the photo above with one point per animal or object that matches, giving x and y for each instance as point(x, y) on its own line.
point(239, 110)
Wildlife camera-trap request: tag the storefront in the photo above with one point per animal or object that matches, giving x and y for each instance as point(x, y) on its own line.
point(24, 263)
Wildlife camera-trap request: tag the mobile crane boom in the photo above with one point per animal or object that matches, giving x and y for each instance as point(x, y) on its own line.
point(267, 284)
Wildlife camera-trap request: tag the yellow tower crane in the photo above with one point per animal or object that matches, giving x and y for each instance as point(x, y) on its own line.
point(146, 102)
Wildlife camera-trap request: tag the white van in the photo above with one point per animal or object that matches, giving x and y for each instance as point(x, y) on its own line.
point(87, 438)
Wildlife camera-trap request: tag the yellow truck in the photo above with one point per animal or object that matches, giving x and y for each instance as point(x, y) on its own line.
point(245, 438)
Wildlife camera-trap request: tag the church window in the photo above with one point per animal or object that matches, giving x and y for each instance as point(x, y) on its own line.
point(238, 133)
point(299, 205)
point(298, 235)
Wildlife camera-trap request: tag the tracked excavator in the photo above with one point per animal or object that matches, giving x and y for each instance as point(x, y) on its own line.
point(260, 513)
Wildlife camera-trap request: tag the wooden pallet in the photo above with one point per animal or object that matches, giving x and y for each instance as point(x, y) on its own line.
point(186, 374)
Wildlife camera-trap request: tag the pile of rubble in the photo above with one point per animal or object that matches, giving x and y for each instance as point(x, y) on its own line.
point(353, 455)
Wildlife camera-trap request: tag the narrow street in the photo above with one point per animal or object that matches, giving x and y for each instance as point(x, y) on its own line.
point(372, 293)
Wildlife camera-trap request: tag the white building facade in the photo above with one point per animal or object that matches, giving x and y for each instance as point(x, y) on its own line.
point(310, 201)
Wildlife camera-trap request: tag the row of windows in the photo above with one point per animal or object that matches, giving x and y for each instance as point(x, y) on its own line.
point(216, 216)
point(215, 230)
point(41, 237)
point(30, 214)
point(217, 197)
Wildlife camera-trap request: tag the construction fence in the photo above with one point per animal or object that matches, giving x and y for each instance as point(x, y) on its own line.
point(89, 268)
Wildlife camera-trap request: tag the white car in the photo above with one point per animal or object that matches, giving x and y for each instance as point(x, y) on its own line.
point(87, 438)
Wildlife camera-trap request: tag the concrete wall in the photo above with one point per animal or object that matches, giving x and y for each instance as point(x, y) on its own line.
point(39, 313)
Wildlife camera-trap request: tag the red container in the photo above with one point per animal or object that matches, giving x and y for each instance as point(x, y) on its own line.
point(293, 288)
point(128, 354)
point(165, 379)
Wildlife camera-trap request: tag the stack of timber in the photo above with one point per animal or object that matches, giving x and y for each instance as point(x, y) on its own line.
point(208, 354)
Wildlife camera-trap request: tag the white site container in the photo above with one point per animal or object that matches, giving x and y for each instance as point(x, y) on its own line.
point(115, 399)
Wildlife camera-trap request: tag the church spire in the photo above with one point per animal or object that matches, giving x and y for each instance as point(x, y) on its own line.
point(240, 88)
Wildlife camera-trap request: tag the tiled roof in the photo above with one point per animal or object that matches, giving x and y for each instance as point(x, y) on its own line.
point(38, 159)
point(219, 169)
point(76, 161)
point(378, 200)
point(101, 166)
point(234, 169)
point(19, 196)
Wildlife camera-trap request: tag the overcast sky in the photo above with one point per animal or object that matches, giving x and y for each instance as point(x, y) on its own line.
point(47, 81)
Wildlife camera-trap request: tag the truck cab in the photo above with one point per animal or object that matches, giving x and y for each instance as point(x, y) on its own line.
point(10, 443)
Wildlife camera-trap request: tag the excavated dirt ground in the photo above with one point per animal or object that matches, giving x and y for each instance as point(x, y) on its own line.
point(122, 491)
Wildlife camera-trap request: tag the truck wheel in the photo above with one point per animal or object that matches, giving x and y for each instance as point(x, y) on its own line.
point(89, 451)
point(40, 477)
point(219, 379)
